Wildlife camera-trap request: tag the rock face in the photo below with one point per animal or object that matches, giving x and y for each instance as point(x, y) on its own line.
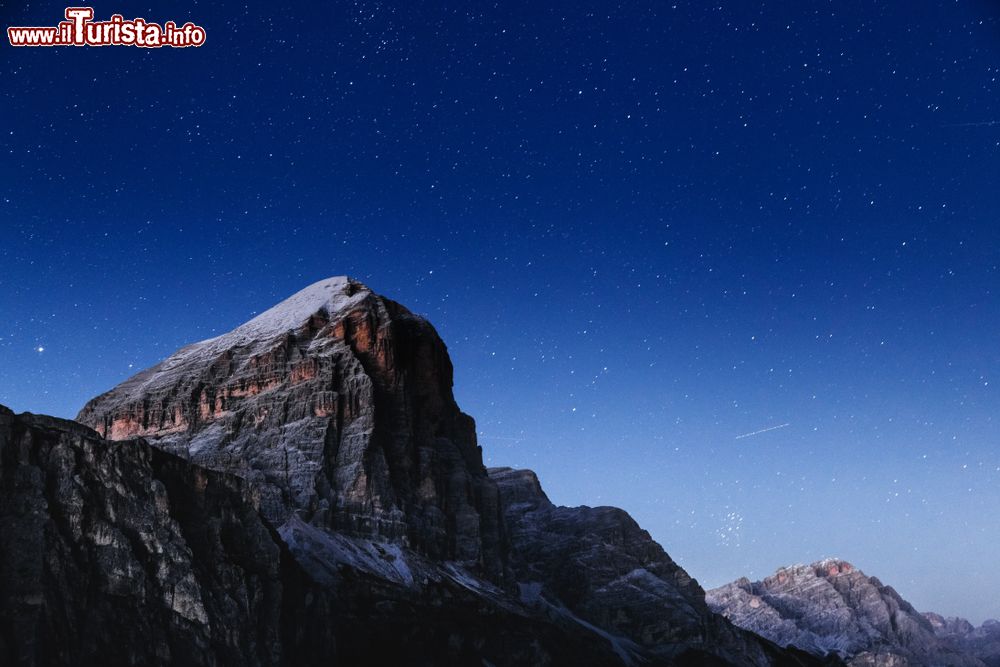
point(304, 491)
point(596, 565)
point(129, 554)
point(832, 607)
point(982, 642)
point(337, 404)
point(599, 563)
point(117, 553)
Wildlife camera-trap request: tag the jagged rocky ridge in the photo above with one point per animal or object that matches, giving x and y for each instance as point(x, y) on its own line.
point(982, 642)
point(117, 553)
point(831, 607)
point(303, 490)
point(597, 565)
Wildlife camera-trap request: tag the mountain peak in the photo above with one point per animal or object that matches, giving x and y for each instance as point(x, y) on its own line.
point(832, 567)
point(325, 297)
point(337, 403)
point(831, 606)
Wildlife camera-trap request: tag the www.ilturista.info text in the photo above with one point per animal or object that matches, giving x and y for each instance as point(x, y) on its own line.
point(79, 29)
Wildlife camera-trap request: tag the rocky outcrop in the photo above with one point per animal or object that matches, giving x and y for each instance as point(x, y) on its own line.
point(832, 607)
point(337, 405)
point(982, 642)
point(598, 566)
point(117, 553)
point(124, 552)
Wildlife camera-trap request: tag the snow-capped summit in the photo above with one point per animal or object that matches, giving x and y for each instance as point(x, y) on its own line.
point(327, 297)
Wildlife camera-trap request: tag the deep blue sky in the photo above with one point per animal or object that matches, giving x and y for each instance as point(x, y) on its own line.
point(643, 230)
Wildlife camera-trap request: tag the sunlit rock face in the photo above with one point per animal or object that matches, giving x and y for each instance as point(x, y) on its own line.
point(831, 607)
point(337, 403)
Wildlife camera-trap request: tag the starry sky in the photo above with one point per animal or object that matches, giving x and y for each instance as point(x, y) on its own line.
point(643, 229)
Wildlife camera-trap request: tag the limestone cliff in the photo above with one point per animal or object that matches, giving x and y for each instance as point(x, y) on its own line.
point(337, 403)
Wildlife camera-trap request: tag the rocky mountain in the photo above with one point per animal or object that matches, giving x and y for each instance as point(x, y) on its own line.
point(337, 404)
point(596, 564)
point(304, 490)
point(982, 642)
point(831, 607)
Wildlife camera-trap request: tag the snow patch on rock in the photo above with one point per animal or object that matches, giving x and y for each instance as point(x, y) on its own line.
point(323, 553)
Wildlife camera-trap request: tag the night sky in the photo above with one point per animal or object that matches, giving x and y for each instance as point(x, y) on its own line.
point(643, 230)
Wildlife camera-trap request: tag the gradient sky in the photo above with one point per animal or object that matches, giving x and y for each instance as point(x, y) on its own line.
point(643, 230)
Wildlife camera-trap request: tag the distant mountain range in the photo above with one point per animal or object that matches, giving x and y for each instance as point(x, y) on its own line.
point(833, 608)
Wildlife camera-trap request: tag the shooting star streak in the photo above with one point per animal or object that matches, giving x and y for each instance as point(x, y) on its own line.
point(763, 430)
point(985, 123)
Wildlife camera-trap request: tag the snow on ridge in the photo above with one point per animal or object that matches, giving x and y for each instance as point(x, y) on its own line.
point(330, 295)
point(324, 552)
point(625, 648)
point(822, 563)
